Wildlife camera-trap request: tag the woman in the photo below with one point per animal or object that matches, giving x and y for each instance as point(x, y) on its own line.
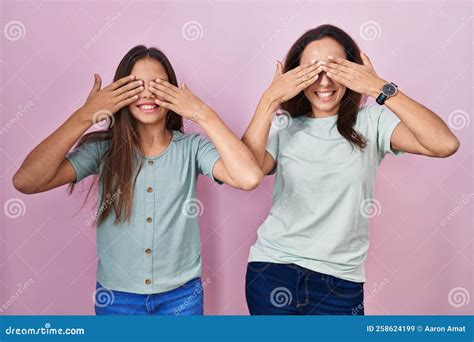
point(309, 255)
point(148, 235)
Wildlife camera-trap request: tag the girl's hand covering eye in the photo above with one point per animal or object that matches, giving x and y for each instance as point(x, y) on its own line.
point(180, 100)
point(112, 98)
point(360, 78)
point(287, 85)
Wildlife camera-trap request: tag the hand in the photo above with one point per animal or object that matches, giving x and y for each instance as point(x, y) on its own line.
point(180, 100)
point(359, 78)
point(289, 84)
point(112, 98)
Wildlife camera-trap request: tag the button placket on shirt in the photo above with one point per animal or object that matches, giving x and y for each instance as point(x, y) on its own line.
point(150, 223)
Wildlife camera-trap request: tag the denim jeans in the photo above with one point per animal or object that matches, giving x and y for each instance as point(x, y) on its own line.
point(288, 289)
point(187, 299)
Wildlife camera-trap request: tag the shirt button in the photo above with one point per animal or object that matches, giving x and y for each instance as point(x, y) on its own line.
point(149, 189)
point(149, 220)
point(148, 281)
point(150, 162)
point(148, 251)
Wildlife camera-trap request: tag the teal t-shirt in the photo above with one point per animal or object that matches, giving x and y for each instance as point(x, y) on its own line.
point(323, 193)
point(160, 248)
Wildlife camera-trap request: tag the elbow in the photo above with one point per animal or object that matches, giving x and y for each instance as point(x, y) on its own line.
point(21, 185)
point(252, 181)
point(449, 148)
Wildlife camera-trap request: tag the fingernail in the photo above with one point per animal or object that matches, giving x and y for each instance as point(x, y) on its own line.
point(313, 61)
point(330, 57)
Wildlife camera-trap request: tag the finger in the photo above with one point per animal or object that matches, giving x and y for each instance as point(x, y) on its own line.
point(335, 66)
point(155, 87)
point(130, 93)
point(310, 74)
point(168, 85)
point(163, 95)
point(302, 68)
point(127, 87)
point(307, 83)
point(124, 80)
point(279, 69)
point(167, 105)
point(127, 102)
point(308, 68)
point(366, 60)
point(97, 83)
point(338, 77)
point(342, 61)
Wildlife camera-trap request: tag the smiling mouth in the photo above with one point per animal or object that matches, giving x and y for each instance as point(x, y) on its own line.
point(325, 96)
point(148, 108)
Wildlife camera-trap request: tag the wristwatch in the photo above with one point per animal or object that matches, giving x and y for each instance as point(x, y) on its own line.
point(388, 90)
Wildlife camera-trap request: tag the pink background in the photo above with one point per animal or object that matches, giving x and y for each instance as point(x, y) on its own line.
point(417, 264)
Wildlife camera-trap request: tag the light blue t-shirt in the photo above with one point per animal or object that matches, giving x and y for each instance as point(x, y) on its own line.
point(323, 193)
point(160, 248)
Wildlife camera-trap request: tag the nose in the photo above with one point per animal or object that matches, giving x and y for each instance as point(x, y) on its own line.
point(146, 93)
point(324, 80)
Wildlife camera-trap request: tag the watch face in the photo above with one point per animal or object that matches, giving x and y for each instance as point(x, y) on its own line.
point(389, 89)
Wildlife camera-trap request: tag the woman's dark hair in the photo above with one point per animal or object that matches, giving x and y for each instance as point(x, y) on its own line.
point(350, 102)
point(120, 165)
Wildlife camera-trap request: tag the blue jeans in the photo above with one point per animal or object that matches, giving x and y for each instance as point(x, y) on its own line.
point(288, 289)
point(187, 299)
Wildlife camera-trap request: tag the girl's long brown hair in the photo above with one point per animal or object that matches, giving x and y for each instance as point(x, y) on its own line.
point(350, 102)
point(120, 165)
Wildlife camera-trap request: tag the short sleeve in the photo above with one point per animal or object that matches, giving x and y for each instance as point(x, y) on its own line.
point(272, 145)
point(206, 157)
point(386, 123)
point(85, 159)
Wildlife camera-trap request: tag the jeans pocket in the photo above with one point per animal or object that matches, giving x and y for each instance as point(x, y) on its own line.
point(258, 266)
point(344, 288)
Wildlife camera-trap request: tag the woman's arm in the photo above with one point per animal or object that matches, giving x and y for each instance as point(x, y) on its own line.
point(420, 131)
point(237, 166)
point(46, 167)
point(284, 87)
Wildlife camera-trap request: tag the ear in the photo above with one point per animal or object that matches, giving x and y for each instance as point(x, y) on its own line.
point(365, 60)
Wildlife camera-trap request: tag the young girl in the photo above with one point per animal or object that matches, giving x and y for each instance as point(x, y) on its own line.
point(147, 231)
point(309, 255)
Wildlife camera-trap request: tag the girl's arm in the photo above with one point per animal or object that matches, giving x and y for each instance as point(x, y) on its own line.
point(237, 166)
point(284, 87)
point(46, 167)
point(420, 131)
